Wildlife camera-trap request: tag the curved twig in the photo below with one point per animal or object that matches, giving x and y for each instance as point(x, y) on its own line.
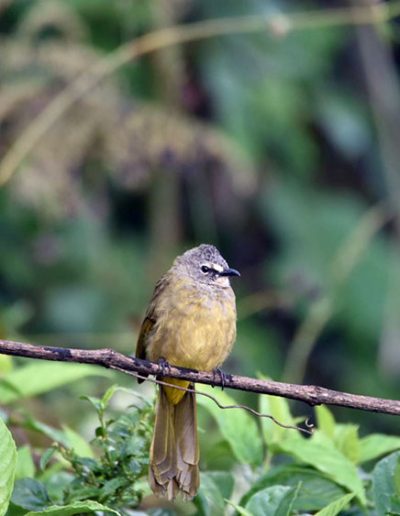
point(309, 426)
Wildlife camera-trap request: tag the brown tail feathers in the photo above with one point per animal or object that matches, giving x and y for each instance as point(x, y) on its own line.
point(174, 453)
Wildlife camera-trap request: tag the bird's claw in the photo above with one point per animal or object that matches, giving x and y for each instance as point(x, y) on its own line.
point(164, 366)
point(222, 376)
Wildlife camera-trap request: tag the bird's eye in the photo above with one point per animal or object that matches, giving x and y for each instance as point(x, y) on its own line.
point(205, 269)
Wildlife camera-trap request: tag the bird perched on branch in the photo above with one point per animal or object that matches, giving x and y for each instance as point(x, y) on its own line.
point(190, 322)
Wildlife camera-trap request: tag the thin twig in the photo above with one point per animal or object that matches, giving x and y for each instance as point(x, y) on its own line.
point(157, 381)
point(311, 394)
point(276, 24)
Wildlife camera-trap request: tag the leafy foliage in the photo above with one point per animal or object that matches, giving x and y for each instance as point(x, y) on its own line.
point(237, 427)
point(293, 475)
point(8, 457)
point(106, 473)
point(34, 379)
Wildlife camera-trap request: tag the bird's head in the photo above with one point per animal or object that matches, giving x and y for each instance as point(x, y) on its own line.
point(205, 265)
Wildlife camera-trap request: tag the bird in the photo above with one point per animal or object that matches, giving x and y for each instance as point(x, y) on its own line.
point(190, 322)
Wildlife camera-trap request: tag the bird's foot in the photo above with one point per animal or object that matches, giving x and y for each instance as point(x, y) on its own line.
point(164, 366)
point(222, 376)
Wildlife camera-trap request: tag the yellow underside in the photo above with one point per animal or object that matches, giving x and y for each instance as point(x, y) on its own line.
point(175, 395)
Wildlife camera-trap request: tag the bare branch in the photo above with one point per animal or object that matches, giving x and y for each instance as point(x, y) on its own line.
point(310, 394)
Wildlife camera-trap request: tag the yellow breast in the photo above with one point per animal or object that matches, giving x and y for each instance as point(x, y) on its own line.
point(195, 325)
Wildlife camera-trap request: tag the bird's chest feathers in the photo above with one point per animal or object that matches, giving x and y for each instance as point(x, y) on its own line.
point(195, 327)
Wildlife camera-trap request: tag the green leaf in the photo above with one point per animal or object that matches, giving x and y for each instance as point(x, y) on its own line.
point(223, 480)
point(239, 509)
point(375, 445)
point(8, 386)
point(111, 486)
point(47, 455)
point(316, 492)
point(52, 433)
point(25, 466)
point(8, 459)
point(209, 499)
point(6, 364)
point(58, 482)
point(236, 425)
point(78, 443)
point(30, 494)
point(109, 394)
point(38, 378)
point(277, 407)
point(95, 402)
point(335, 507)
point(320, 453)
point(347, 441)
point(272, 501)
point(73, 508)
point(325, 420)
point(386, 485)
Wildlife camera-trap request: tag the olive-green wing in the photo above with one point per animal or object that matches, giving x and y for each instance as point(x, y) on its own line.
point(145, 329)
point(149, 321)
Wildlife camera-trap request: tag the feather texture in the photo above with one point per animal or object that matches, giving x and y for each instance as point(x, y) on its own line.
point(174, 454)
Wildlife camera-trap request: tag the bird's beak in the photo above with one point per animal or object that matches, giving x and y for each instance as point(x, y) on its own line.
point(229, 272)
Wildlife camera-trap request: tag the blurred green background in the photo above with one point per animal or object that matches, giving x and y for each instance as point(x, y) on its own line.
point(280, 146)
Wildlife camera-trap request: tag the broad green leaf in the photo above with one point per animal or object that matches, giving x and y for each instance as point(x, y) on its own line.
point(277, 407)
point(325, 420)
point(375, 445)
point(5, 386)
point(218, 455)
point(58, 482)
point(78, 443)
point(209, 499)
point(6, 364)
point(38, 378)
point(52, 433)
point(73, 508)
point(237, 426)
point(320, 453)
point(25, 466)
point(271, 501)
point(317, 491)
point(223, 480)
point(386, 485)
point(239, 509)
point(335, 507)
point(347, 441)
point(30, 494)
point(111, 486)
point(8, 460)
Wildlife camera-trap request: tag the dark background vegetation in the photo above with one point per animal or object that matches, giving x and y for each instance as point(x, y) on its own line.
point(279, 147)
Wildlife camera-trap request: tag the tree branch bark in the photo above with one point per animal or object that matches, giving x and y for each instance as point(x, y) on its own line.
point(310, 394)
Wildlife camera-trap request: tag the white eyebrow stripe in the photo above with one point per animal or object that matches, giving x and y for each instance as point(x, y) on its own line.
point(217, 267)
